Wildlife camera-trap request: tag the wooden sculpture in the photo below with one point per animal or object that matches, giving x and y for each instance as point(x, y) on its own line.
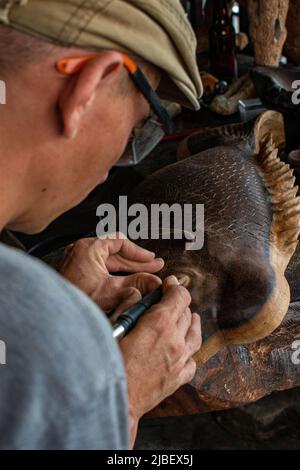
point(268, 29)
point(228, 103)
point(252, 223)
point(292, 46)
point(239, 375)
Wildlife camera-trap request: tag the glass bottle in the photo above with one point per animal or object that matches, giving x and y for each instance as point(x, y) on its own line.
point(222, 49)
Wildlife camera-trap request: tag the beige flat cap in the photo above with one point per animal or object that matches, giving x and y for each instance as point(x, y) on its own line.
point(155, 30)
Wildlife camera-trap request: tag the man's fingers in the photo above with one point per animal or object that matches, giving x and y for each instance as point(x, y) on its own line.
point(189, 326)
point(117, 254)
point(117, 263)
point(188, 372)
point(132, 251)
point(184, 322)
point(130, 289)
point(176, 299)
point(194, 336)
point(144, 282)
point(118, 243)
point(170, 282)
point(131, 296)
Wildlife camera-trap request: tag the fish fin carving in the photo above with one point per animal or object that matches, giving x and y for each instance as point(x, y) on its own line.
point(208, 138)
point(280, 183)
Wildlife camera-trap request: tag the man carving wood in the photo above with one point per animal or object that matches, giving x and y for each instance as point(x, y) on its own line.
point(71, 70)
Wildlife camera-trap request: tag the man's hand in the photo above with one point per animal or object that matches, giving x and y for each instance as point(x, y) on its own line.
point(158, 352)
point(90, 261)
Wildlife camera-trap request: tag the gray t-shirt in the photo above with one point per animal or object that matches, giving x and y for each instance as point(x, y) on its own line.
point(63, 385)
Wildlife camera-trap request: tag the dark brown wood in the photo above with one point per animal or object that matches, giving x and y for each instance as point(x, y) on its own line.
point(228, 375)
point(252, 221)
point(240, 375)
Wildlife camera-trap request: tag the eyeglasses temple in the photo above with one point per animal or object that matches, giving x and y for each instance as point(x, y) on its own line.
point(151, 96)
point(72, 65)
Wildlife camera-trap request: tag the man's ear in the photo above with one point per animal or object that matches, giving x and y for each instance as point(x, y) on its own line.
point(79, 93)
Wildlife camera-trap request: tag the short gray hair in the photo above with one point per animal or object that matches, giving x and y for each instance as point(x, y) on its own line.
point(19, 49)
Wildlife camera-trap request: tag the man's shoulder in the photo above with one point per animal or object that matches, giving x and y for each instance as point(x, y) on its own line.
point(28, 282)
point(20, 271)
point(61, 355)
point(15, 263)
point(35, 298)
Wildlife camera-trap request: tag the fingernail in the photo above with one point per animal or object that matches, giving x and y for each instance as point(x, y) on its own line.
point(174, 279)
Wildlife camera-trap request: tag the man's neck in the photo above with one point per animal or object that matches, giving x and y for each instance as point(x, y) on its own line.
point(8, 209)
point(12, 170)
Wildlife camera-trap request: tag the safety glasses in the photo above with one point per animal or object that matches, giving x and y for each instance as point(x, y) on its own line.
point(146, 138)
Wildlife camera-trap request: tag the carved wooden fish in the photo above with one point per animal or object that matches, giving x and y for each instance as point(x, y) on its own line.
point(252, 224)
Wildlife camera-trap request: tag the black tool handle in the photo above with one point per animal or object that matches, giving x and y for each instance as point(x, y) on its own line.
point(129, 318)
